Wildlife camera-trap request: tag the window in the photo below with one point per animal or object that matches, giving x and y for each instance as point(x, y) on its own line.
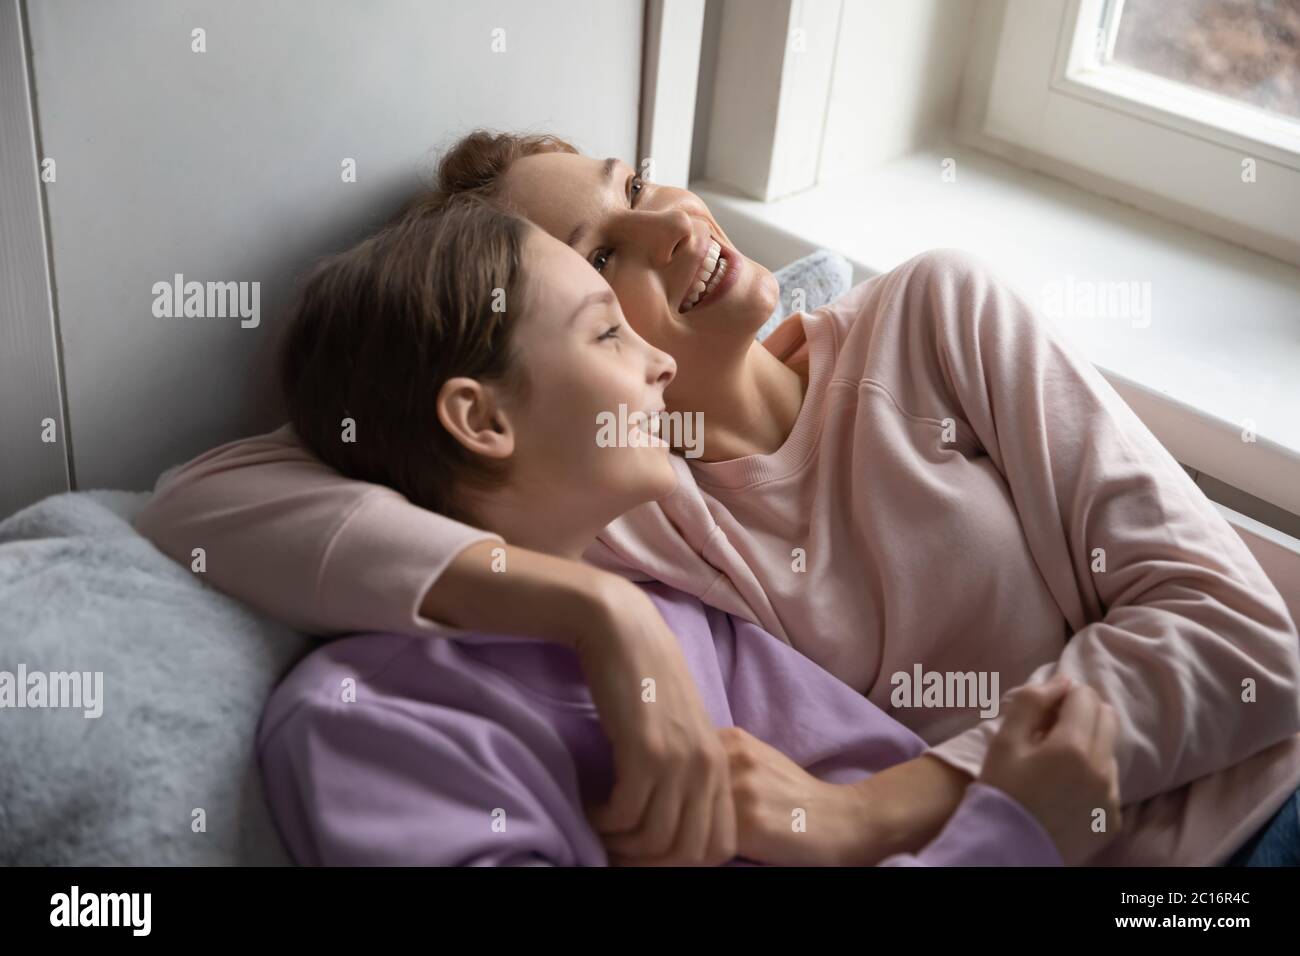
point(1189, 107)
point(1244, 50)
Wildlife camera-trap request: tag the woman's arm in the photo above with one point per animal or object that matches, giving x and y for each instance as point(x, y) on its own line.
point(1175, 624)
point(265, 521)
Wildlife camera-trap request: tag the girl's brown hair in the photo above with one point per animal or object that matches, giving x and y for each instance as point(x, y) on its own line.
point(377, 330)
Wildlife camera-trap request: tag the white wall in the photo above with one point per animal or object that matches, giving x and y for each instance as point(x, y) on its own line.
point(225, 166)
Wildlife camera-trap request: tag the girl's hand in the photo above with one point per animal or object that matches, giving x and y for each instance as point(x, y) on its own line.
point(671, 801)
point(784, 815)
point(1055, 755)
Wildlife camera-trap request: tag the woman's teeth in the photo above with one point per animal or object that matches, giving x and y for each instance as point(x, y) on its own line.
point(712, 269)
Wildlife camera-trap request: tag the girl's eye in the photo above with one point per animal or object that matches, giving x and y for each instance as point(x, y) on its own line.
point(635, 189)
point(601, 259)
point(610, 333)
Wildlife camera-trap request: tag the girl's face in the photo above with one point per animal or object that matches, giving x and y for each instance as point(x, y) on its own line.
point(653, 245)
point(583, 362)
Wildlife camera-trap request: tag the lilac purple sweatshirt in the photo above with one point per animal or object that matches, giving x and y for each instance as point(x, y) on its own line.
point(384, 749)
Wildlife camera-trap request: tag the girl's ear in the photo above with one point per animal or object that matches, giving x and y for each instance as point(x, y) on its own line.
point(470, 411)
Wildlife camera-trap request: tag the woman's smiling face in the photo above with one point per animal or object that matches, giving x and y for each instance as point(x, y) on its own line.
point(655, 246)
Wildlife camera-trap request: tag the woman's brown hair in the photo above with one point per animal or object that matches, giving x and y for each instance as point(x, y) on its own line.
point(377, 330)
point(475, 164)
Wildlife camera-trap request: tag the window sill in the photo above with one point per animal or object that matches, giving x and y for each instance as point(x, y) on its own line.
point(1221, 349)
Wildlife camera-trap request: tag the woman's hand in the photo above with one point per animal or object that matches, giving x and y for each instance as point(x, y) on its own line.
point(671, 801)
point(1055, 755)
point(784, 815)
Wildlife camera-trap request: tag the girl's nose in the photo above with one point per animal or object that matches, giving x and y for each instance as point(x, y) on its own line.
point(663, 368)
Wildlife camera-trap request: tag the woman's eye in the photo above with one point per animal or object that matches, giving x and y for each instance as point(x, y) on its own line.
point(602, 256)
point(610, 333)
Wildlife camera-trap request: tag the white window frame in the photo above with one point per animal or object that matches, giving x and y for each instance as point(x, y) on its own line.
point(1137, 135)
point(670, 67)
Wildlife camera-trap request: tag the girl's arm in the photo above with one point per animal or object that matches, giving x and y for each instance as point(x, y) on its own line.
point(378, 781)
point(1049, 793)
point(987, 829)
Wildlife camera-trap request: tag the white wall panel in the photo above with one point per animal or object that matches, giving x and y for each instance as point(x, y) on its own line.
point(225, 166)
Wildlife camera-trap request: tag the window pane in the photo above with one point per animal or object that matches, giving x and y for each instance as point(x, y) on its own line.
point(1245, 49)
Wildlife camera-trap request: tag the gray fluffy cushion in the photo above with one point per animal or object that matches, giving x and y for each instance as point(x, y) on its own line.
point(823, 276)
point(185, 672)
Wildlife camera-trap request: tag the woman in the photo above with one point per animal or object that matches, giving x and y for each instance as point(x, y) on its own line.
point(920, 475)
point(483, 750)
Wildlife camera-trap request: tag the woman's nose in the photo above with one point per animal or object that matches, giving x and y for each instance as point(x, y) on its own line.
point(666, 233)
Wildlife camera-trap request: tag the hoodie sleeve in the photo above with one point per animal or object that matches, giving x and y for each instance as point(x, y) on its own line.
point(1174, 622)
point(389, 783)
point(988, 828)
point(289, 535)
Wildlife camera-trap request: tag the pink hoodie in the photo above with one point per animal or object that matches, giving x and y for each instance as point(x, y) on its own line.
point(962, 492)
